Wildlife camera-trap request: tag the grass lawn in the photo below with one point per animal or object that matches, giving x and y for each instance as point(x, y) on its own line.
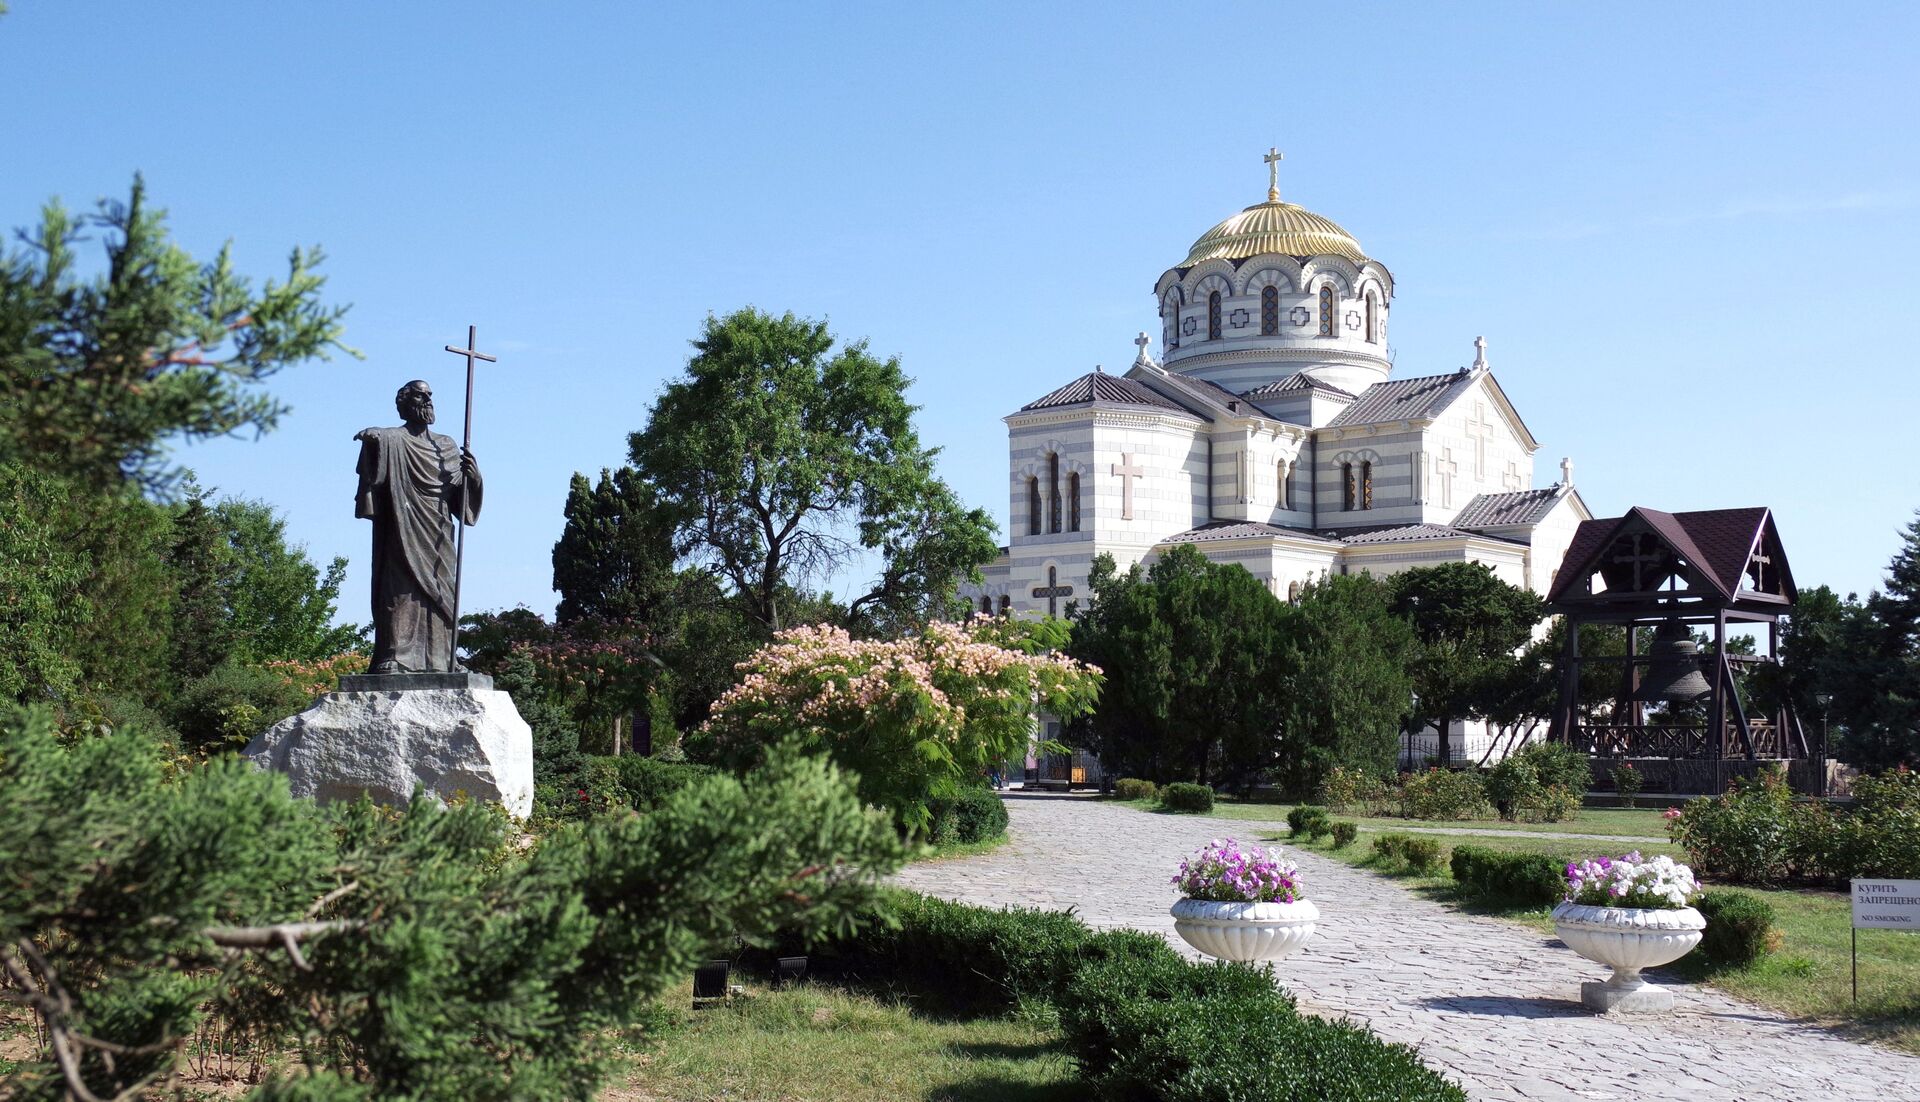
point(946, 851)
point(820, 1043)
point(1807, 977)
point(1636, 823)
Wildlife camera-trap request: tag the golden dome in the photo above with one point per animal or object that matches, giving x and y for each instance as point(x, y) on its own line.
point(1274, 227)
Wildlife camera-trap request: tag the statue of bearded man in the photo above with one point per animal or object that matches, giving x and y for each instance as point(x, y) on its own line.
point(413, 484)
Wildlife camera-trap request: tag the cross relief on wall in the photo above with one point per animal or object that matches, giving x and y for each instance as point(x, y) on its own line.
point(1444, 469)
point(1481, 430)
point(1128, 470)
point(1511, 480)
point(1052, 591)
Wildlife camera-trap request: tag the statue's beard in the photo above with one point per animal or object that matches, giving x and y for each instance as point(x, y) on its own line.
point(422, 415)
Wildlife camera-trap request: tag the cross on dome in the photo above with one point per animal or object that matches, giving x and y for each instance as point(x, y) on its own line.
point(1273, 159)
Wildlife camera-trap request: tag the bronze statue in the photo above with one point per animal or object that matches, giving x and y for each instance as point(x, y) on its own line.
point(414, 485)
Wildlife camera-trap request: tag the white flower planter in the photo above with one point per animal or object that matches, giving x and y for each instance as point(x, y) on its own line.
point(1251, 932)
point(1628, 939)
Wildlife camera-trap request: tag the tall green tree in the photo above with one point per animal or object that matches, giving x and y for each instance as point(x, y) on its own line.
point(1530, 687)
point(242, 594)
point(96, 585)
point(615, 558)
point(1187, 647)
point(280, 602)
point(39, 619)
point(1468, 625)
point(101, 373)
point(782, 457)
point(616, 568)
point(1343, 682)
point(1872, 669)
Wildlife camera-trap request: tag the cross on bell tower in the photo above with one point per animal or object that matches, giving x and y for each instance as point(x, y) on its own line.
point(1273, 159)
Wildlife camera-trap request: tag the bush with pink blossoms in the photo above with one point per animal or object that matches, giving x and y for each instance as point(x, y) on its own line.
point(913, 718)
point(1222, 872)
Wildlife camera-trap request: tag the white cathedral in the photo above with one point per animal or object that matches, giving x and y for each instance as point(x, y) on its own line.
point(1272, 434)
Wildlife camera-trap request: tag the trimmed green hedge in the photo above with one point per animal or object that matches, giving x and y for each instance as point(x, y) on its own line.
point(1420, 854)
point(1524, 878)
point(968, 960)
point(1142, 1021)
point(1309, 821)
point(1345, 834)
point(1182, 796)
point(975, 815)
point(1095, 1003)
point(1158, 1028)
point(1739, 928)
point(1133, 788)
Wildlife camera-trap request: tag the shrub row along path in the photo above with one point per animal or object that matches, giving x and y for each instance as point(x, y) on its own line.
point(1491, 1003)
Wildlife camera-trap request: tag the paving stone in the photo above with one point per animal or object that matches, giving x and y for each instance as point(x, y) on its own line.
point(1492, 1004)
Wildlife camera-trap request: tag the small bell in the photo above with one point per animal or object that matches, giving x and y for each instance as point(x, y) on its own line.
point(1673, 673)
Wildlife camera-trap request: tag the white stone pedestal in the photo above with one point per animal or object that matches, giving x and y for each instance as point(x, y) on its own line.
point(384, 743)
point(1635, 997)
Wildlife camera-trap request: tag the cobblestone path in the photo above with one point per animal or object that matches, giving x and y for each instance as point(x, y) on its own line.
point(1493, 1004)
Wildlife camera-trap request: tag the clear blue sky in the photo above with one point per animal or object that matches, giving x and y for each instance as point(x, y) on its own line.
point(1689, 232)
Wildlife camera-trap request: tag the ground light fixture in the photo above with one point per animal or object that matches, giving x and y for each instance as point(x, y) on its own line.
point(710, 983)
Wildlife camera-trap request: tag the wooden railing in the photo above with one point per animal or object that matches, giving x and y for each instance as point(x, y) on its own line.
point(1671, 741)
point(1619, 741)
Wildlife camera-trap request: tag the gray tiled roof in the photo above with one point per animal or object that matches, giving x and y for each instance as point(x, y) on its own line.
point(1096, 386)
point(1404, 399)
point(1299, 380)
point(1202, 398)
point(1244, 529)
point(1253, 529)
point(1411, 533)
point(1518, 507)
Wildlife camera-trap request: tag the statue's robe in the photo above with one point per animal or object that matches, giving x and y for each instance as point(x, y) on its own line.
point(411, 487)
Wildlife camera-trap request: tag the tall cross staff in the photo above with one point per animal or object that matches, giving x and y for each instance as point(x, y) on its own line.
point(466, 444)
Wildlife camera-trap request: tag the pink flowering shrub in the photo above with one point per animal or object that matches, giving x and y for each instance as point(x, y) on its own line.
point(1222, 872)
point(913, 718)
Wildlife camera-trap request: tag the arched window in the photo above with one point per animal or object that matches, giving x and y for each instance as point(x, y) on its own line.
point(1347, 496)
point(1006, 604)
point(1053, 491)
point(1283, 493)
point(1327, 318)
point(1373, 324)
point(1213, 316)
point(1293, 593)
point(1073, 501)
point(1366, 484)
point(1173, 323)
point(986, 606)
point(1269, 311)
point(1033, 506)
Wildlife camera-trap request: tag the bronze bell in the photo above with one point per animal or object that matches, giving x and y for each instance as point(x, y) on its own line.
point(1674, 670)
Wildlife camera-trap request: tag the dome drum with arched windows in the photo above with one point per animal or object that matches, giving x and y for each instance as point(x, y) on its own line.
point(1274, 291)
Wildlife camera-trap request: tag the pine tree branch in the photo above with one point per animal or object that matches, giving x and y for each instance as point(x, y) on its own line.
point(282, 935)
point(50, 1000)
